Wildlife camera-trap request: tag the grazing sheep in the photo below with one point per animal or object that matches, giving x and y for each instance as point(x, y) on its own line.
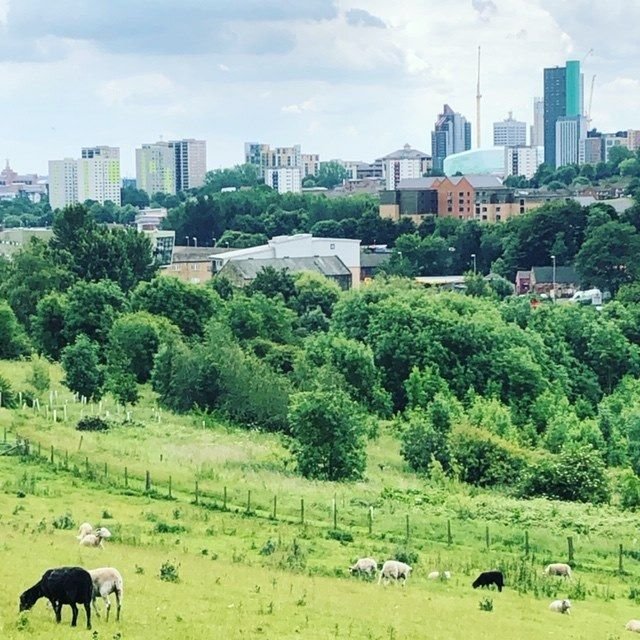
point(487, 578)
point(95, 539)
point(558, 569)
point(364, 566)
point(633, 625)
point(106, 581)
point(85, 530)
point(64, 585)
point(437, 575)
point(560, 606)
point(396, 570)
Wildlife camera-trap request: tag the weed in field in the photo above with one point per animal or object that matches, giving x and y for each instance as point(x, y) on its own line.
point(64, 521)
point(269, 547)
point(106, 515)
point(139, 570)
point(406, 555)
point(344, 537)
point(169, 572)
point(486, 604)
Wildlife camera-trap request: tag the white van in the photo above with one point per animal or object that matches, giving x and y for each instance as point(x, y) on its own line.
point(590, 296)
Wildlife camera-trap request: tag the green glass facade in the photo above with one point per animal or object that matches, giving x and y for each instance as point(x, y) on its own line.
point(573, 88)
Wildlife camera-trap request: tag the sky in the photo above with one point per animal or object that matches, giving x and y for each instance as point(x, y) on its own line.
point(349, 79)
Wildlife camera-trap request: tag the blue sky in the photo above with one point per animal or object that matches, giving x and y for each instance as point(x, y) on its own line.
point(346, 79)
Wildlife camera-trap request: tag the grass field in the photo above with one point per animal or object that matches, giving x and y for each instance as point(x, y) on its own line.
point(249, 575)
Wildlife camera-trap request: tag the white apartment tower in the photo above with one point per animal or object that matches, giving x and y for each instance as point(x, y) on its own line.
point(284, 179)
point(99, 175)
point(405, 163)
point(156, 168)
point(509, 133)
point(63, 183)
point(537, 128)
point(95, 176)
point(570, 131)
point(521, 161)
point(190, 157)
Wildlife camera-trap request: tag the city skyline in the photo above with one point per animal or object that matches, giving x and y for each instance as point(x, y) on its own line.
point(336, 78)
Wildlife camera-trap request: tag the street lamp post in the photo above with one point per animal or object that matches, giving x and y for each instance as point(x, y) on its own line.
point(195, 241)
point(187, 239)
point(473, 255)
point(553, 277)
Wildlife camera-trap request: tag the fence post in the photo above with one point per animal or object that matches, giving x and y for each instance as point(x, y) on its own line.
point(80, 443)
point(486, 537)
point(370, 518)
point(224, 499)
point(570, 548)
point(147, 482)
point(249, 501)
point(526, 543)
point(408, 529)
point(51, 454)
point(197, 494)
point(126, 477)
point(301, 510)
point(335, 513)
point(275, 507)
point(170, 496)
point(620, 568)
point(449, 536)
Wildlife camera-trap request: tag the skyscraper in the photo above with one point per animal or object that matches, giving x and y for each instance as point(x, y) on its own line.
point(570, 131)
point(98, 174)
point(563, 97)
point(451, 134)
point(509, 133)
point(63, 183)
point(537, 128)
point(190, 163)
point(156, 168)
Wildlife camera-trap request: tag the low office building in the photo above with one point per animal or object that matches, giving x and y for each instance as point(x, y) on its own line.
point(15, 239)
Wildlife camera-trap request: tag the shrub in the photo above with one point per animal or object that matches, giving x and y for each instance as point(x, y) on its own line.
point(486, 604)
point(629, 487)
point(163, 527)
point(578, 473)
point(8, 398)
point(341, 536)
point(406, 555)
point(169, 572)
point(486, 459)
point(64, 521)
point(93, 423)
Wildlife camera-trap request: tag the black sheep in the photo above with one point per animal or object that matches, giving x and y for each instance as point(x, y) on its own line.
point(65, 585)
point(487, 578)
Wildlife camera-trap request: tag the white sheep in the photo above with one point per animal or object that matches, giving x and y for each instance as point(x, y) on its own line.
point(364, 566)
point(560, 606)
point(396, 570)
point(437, 575)
point(633, 625)
point(558, 569)
point(95, 539)
point(85, 530)
point(106, 581)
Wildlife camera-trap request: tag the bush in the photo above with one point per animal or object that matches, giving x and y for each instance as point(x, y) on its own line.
point(8, 398)
point(64, 521)
point(406, 555)
point(93, 423)
point(341, 536)
point(629, 487)
point(486, 459)
point(486, 604)
point(578, 473)
point(169, 572)
point(163, 527)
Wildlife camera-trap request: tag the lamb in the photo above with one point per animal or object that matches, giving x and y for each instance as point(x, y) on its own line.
point(438, 575)
point(560, 606)
point(558, 569)
point(106, 581)
point(396, 570)
point(95, 539)
point(85, 530)
point(633, 625)
point(487, 578)
point(364, 566)
point(64, 585)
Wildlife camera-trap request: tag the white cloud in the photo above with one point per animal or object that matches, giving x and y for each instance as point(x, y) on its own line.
point(307, 105)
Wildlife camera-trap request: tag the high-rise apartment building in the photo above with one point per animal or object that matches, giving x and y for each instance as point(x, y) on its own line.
point(590, 150)
point(269, 160)
point(156, 168)
point(452, 134)
point(537, 128)
point(190, 158)
point(310, 164)
point(63, 183)
point(98, 175)
point(284, 179)
point(509, 133)
point(95, 176)
point(563, 97)
point(521, 161)
point(570, 130)
point(405, 163)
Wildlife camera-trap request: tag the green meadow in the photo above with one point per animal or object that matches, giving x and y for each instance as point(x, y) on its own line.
point(270, 560)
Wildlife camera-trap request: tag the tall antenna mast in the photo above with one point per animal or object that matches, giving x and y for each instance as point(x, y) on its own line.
point(478, 98)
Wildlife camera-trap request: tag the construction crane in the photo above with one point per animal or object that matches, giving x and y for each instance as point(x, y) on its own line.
point(593, 81)
point(478, 98)
point(589, 53)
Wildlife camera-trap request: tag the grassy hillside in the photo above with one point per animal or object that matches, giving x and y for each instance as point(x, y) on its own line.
point(245, 574)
